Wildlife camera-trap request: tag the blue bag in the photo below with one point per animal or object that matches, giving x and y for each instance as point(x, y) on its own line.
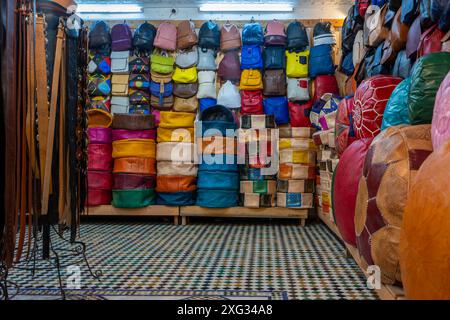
point(217, 198)
point(251, 57)
point(155, 89)
point(321, 61)
point(347, 66)
point(183, 198)
point(206, 103)
point(278, 107)
point(218, 180)
point(274, 57)
point(252, 33)
point(396, 111)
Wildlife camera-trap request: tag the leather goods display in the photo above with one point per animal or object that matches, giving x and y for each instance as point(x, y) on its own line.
point(296, 143)
point(98, 118)
point(257, 200)
point(175, 134)
point(229, 96)
point(206, 59)
point(186, 36)
point(100, 37)
point(99, 85)
point(359, 49)
point(440, 14)
point(402, 65)
point(207, 85)
point(175, 151)
point(162, 63)
point(99, 135)
point(218, 180)
point(251, 79)
point(139, 65)
point(251, 102)
point(230, 67)
point(297, 36)
point(185, 104)
point(299, 114)
point(396, 111)
point(298, 156)
point(274, 83)
point(274, 34)
point(396, 39)
point(426, 76)
point(274, 58)
point(138, 198)
point(424, 236)
point(130, 181)
point(261, 186)
point(323, 112)
point(440, 125)
point(370, 101)
point(175, 183)
point(254, 174)
point(119, 83)
point(219, 162)
point(293, 171)
point(120, 134)
point(345, 187)
point(121, 37)
point(217, 198)
point(176, 119)
point(170, 168)
point(297, 63)
point(99, 102)
point(99, 157)
point(296, 186)
point(143, 38)
point(139, 81)
point(257, 121)
point(139, 97)
point(99, 63)
point(188, 75)
point(346, 66)
point(230, 37)
point(209, 35)
point(133, 122)
point(409, 11)
point(252, 34)
point(163, 104)
point(98, 197)
point(278, 107)
point(216, 145)
point(120, 62)
point(323, 34)
point(161, 90)
point(187, 58)
point(321, 60)
point(344, 134)
point(166, 37)
point(133, 148)
point(391, 164)
point(295, 200)
point(251, 57)
point(374, 65)
point(186, 198)
point(375, 31)
point(136, 165)
point(100, 180)
point(430, 41)
point(413, 39)
point(325, 84)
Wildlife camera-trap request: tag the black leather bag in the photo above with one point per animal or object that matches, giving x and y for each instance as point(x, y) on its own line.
point(144, 35)
point(100, 37)
point(425, 13)
point(348, 36)
point(274, 58)
point(297, 38)
point(209, 35)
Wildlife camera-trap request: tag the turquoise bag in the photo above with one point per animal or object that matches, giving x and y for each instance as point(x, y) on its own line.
point(218, 180)
point(183, 198)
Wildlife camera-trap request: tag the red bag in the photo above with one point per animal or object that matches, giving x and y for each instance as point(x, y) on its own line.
point(344, 133)
point(325, 84)
point(98, 197)
point(99, 180)
point(100, 157)
point(252, 102)
point(430, 41)
point(299, 114)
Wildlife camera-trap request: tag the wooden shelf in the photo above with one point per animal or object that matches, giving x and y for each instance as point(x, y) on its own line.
point(150, 211)
point(386, 292)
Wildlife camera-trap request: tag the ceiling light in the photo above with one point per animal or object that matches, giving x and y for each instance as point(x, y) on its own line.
point(247, 7)
point(109, 8)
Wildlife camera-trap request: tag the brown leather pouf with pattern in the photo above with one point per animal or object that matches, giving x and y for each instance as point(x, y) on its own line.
point(392, 161)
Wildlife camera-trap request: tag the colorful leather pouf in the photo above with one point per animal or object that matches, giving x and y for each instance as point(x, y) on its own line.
point(440, 126)
point(344, 133)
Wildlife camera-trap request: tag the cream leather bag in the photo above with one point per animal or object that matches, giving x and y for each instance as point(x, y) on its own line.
point(187, 58)
point(298, 89)
point(207, 85)
point(229, 96)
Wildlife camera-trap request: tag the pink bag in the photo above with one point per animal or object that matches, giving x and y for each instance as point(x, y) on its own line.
point(166, 37)
point(133, 134)
point(99, 135)
point(440, 125)
point(275, 33)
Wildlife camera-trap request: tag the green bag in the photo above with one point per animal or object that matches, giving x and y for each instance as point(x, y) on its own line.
point(162, 63)
point(426, 77)
point(133, 198)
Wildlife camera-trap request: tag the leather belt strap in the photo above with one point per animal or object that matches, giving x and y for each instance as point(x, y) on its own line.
point(257, 200)
point(63, 173)
point(295, 200)
point(264, 186)
point(295, 186)
point(300, 132)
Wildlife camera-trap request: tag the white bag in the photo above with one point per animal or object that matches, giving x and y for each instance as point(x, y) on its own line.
point(120, 105)
point(119, 62)
point(229, 96)
point(298, 89)
point(206, 59)
point(359, 49)
point(187, 58)
point(206, 85)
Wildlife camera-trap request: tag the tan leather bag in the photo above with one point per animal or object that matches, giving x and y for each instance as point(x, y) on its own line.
point(230, 38)
point(186, 36)
point(160, 77)
point(167, 103)
point(120, 85)
point(374, 30)
point(186, 105)
point(396, 39)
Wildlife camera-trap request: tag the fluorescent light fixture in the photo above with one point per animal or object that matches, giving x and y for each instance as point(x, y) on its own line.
point(109, 8)
point(246, 7)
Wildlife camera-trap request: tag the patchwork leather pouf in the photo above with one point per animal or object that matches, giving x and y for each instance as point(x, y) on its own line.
point(390, 166)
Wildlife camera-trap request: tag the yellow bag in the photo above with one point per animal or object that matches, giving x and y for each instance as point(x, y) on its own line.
point(169, 119)
point(185, 75)
point(175, 135)
point(297, 64)
point(120, 85)
point(98, 118)
point(143, 148)
point(251, 79)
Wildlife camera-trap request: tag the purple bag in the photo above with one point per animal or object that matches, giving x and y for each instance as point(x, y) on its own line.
point(122, 38)
point(120, 134)
point(99, 135)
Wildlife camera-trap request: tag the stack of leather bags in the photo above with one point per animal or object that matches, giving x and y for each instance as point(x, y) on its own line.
point(133, 151)
point(99, 117)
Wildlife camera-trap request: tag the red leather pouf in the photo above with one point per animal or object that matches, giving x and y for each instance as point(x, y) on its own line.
point(344, 134)
point(391, 163)
point(370, 100)
point(345, 188)
point(440, 126)
point(425, 235)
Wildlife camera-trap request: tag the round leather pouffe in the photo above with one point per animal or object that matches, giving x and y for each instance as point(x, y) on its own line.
point(425, 234)
point(344, 133)
point(440, 126)
point(345, 188)
point(391, 163)
point(370, 101)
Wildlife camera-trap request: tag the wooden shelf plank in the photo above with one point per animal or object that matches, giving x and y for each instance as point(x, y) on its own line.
point(241, 212)
point(156, 211)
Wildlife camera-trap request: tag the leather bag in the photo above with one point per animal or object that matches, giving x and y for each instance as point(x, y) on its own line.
point(186, 36)
point(430, 41)
point(252, 34)
point(206, 59)
point(209, 35)
point(274, 58)
point(144, 36)
point(274, 83)
point(100, 37)
point(98, 118)
point(409, 11)
point(323, 34)
point(278, 107)
point(139, 97)
point(299, 114)
point(230, 67)
point(297, 37)
point(139, 65)
point(229, 96)
point(251, 80)
point(120, 62)
point(99, 85)
point(344, 134)
point(274, 34)
point(175, 183)
point(251, 102)
point(251, 57)
point(321, 61)
point(185, 90)
point(297, 89)
point(99, 63)
point(166, 37)
point(188, 75)
point(186, 104)
point(218, 180)
point(187, 58)
point(413, 39)
point(230, 37)
point(175, 120)
point(207, 84)
point(297, 64)
point(359, 49)
point(325, 84)
point(119, 85)
point(402, 65)
point(139, 81)
point(99, 157)
point(374, 30)
point(122, 38)
point(121, 134)
point(135, 165)
point(133, 122)
point(162, 63)
point(103, 103)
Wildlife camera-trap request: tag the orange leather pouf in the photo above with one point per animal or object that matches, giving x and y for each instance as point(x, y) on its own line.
point(425, 235)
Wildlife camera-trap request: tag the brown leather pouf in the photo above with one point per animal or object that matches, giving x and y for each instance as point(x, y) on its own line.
point(391, 163)
point(425, 235)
